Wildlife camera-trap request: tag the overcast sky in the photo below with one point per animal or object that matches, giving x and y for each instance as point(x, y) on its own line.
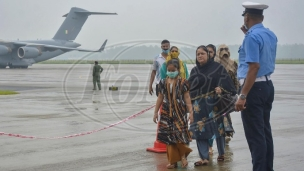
point(191, 21)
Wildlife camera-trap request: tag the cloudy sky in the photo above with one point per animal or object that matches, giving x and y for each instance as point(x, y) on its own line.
point(191, 21)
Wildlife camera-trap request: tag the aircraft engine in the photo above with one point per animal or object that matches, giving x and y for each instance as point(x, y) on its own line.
point(4, 50)
point(28, 52)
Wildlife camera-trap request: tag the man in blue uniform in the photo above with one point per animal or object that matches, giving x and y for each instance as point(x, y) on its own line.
point(256, 63)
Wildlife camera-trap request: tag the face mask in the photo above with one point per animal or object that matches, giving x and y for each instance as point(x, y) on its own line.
point(172, 74)
point(174, 54)
point(166, 51)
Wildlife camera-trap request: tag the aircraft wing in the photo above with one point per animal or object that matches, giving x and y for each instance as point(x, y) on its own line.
point(66, 49)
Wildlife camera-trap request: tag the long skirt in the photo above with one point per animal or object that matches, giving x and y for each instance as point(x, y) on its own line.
point(176, 151)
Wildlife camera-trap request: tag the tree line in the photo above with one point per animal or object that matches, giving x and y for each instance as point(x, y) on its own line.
point(144, 52)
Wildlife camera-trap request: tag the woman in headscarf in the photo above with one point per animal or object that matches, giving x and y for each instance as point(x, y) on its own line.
point(208, 82)
point(174, 53)
point(223, 57)
point(212, 51)
point(174, 99)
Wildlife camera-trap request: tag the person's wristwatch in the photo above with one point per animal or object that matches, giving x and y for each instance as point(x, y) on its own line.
point(242, 96)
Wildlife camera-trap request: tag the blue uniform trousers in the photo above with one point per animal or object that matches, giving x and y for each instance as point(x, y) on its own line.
point(256, 122)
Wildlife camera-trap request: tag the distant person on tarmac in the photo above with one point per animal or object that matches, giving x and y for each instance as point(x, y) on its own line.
point(97, 70)
point(157, 64)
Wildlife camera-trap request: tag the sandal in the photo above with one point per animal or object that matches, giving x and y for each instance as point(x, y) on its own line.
point(200, 163)
point(210, 151)
point(172, 166)
point(184, 162)
point(221, 158)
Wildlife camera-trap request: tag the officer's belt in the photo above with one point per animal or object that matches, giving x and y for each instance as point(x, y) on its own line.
point(258, 79)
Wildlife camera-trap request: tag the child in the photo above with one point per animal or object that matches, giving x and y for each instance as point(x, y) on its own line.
point(175, 99)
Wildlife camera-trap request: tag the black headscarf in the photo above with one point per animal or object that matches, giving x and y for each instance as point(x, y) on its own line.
point(205, 78)
point(214, 50)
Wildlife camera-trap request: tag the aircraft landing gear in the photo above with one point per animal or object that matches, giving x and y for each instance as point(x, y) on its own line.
point(15, 67)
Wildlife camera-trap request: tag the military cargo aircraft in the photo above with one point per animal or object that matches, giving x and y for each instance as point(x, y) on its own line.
point(21, 54)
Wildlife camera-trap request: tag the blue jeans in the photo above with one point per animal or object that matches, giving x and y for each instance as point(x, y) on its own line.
point(203, 148)
point(204, 144)
point(257, 127)
point(210, 141)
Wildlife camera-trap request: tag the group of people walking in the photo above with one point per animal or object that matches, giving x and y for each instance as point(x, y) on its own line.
point(197, 94)
point(199, 98)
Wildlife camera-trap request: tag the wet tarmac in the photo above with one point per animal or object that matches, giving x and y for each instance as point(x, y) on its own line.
point(58, 100)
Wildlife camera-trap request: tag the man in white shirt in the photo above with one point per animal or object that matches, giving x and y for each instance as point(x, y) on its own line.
point(157, 63)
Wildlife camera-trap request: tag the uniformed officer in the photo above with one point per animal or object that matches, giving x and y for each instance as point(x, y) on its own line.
point(256, 63)
point(97, 70)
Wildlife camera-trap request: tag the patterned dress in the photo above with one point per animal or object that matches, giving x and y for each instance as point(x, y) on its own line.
point(208, 109)
point(233, 75)
point(231, 67)
point(173, 124)
point(209, 122)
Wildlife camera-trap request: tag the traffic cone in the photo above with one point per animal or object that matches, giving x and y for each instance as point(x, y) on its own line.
point(158, 146)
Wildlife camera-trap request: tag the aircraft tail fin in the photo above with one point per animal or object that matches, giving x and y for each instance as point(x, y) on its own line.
point(103, 46)
point(73, 23)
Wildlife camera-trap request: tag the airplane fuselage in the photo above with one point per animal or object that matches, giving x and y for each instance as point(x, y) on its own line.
point(14, 61)
point(21, 54)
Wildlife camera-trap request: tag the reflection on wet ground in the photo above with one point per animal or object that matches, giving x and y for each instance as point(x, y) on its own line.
point(57, 100)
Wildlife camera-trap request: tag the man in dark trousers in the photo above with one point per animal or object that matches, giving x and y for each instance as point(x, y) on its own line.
point(256, 63)
point(97, 70)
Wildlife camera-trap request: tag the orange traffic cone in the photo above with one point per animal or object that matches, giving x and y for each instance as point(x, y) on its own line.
point(158, 146)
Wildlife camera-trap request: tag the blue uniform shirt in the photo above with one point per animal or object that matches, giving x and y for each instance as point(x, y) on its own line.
point(259, 46)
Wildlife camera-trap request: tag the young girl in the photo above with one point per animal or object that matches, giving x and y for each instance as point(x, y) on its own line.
point(175, 99)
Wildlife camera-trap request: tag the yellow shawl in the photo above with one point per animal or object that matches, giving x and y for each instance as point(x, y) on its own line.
point(182, 72)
